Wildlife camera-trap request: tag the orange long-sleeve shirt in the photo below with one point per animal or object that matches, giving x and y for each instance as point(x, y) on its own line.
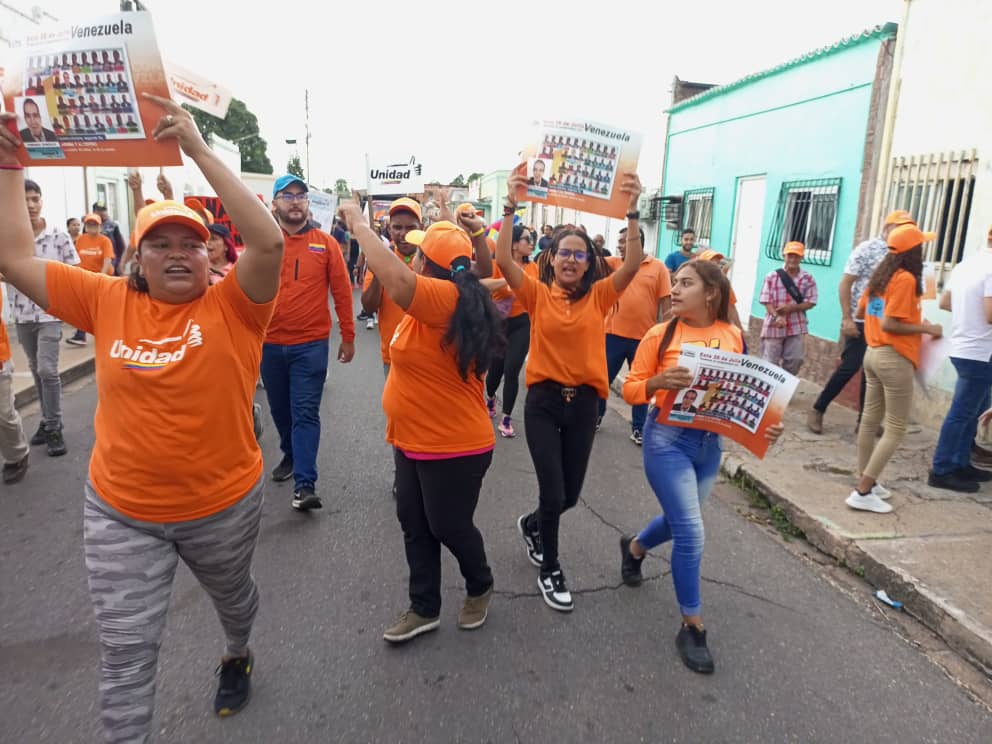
point(312, 265)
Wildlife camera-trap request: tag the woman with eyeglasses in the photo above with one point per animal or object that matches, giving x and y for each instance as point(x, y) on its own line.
point(566, 370)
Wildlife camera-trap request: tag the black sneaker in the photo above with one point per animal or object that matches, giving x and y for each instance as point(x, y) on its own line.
point(554, 591)
point(951, 482)
point(234, 690)
point(973, 474)
point(78, 339)
point(284, 470)
point(304, 499)
point(532, 540)
point(630, 567)
point(256, 420)
point(637, 437)
point(39, 438)
point(14, 471)
point(55, 442)
point(691, 643)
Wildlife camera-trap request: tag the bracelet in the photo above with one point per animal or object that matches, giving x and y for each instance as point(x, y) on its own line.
point(635, 215)
point(478, 233)
point(15, 166)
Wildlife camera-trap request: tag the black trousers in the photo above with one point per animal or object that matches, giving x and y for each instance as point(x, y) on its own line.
point(560, 427)
point(508, 367)
point(852, 357)
point(435, 503)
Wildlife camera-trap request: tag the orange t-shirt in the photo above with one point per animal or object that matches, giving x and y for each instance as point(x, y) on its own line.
point(567, 338)
point(389, 313)
point(634, 314)
point(4, 343)
point(93, 250)
point(429, 408)
point(901, 302)
point(720, 335)
point(175, 385)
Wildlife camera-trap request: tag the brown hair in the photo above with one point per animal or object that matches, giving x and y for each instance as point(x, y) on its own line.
point(712, 277)
point(911, 261)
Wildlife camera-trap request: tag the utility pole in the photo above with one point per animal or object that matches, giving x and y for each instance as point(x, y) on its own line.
point(306, 104)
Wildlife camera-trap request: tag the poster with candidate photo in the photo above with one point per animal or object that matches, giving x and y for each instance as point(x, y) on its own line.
point(735, 395)
point(577, 164)
point(76, 88)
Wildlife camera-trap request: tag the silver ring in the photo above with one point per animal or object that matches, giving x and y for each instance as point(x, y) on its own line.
point(170, 118)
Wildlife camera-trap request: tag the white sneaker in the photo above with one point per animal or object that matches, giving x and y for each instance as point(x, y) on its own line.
point(555, 591)
point(881, 491)
point(870, 502)
point(369, 324)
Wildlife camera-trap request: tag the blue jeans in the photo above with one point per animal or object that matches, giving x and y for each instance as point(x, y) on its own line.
point(971, 398)
point(681, 466)
point(619, 350)
point(294, 383)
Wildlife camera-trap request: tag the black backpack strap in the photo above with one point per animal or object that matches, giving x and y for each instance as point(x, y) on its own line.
point(790, 286)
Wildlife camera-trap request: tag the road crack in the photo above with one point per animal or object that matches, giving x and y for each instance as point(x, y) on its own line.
point(506, 594)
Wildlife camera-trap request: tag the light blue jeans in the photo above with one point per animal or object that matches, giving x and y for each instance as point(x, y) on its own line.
point(681, 466)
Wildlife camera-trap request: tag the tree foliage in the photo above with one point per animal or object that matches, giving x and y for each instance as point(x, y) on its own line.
point(458, 180)
point(295, 167)
point(240, 127)
point(474, 177)
point(342, 188)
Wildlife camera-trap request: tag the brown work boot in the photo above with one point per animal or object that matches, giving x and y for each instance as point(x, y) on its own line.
point(814, 421)
point(475, 610)
point(410, 625)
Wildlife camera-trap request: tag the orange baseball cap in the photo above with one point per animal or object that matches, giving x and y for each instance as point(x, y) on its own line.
point(907, 237)
point(469, 207)
point(168, 213)
point(406, 204)
point(900, 217)
point(93, 217)
point(710, 255)
point(197, 206)
point(794, 247)
point(443, 243)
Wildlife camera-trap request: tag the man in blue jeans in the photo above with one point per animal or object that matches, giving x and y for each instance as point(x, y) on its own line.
point(294, 356)
point(969, 298)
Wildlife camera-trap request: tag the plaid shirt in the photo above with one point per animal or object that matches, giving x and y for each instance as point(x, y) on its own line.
point(773, 292)
point(51, 244)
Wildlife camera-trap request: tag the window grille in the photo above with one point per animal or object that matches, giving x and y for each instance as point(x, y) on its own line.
point(697, 214)
point(807, 212)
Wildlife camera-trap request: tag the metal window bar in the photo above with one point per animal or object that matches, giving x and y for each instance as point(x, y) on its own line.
point(697, 214)
point(807, 212)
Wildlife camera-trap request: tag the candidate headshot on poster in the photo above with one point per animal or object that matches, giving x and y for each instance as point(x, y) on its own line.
point(537, 180)
point(33, 120)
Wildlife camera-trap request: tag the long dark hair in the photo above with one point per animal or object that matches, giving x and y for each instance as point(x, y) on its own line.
point(475, 330)
point(712, 277)
point(598, 268)
point(911, 261)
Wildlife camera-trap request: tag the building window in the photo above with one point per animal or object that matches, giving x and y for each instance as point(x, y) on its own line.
point(697, 214)
point(937, 190)
point(807, 212)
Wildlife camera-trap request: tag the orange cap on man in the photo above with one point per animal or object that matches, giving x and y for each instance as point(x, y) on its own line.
point(907, 237)
point(165, 213)
point(794, 247)
point(406, 204)
point(445, 244)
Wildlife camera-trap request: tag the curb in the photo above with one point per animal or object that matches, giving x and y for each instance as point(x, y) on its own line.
point(68, 375)
point(971, 642)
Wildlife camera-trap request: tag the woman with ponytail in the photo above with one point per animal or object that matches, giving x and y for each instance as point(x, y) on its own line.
point(681, 464)
point(436, 416)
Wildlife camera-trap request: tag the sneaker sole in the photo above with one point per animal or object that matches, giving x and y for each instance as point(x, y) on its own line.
point(228, 712)
point(866, 509)
point(281, 478)
point(507, 435)
point(473, 626)
point(550, 602)
point(523, 534)
point(426, 628)
point(308, 505)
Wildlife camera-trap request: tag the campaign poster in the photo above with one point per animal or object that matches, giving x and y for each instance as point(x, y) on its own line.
point(734, 395)
point(76, 89)
point(322, 209)
point(577, 165)
point(198, 92)
point(380, 209)
point(401, 176)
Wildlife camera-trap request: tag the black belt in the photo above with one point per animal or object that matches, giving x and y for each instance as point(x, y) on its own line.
point(568, 393)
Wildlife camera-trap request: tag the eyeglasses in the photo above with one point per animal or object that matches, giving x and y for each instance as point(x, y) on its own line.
point(579, 256)
point(290, 198)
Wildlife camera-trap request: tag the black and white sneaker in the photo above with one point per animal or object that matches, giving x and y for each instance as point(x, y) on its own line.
point(554, 591)
point(630, 567)
point(284, 470)
point(304, 499)
point(532, 540)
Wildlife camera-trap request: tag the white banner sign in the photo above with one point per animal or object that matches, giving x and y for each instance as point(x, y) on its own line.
point(395, 176)
point(322, 207)
point(197, 92)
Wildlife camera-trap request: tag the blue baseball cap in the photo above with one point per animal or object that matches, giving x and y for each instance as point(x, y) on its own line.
point(284, 182)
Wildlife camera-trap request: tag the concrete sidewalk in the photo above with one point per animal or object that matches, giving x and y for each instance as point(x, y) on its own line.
point(932, 553)
point(74, 362)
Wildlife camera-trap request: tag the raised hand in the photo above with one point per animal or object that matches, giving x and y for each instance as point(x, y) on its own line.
point(176, 123)
point(352, 214)
point(9, 141)
point(630, 184)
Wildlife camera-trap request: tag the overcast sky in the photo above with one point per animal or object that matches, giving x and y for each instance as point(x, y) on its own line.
point(457, 84)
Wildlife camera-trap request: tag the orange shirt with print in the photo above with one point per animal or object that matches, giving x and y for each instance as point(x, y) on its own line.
point(429, 408)
point(567, 337)
point(175, 386)
point(389, 313)
point(637, 310)
point(647, 364)
point(901, 302)
point(93, 250)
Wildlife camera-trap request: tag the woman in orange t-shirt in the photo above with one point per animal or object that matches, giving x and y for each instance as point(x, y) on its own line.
point(681, 464)
point(176, 364)
point(435, 414)
point(894, 326)
point(566, 370)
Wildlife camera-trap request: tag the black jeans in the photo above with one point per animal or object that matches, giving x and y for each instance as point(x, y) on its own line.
point(851, 358)
point(561, 425)
point(508, 368)
point(435, 503)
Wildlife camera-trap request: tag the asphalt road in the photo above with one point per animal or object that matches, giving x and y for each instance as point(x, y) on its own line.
point(797, 660)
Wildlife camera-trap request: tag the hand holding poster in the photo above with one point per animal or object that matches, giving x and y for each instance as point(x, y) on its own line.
point(577, 164)
point(734, 395)
point(77, 91)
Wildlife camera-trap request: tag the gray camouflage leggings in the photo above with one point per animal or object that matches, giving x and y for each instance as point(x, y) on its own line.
point(131, 565)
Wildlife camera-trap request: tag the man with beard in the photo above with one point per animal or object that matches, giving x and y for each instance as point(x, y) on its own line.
point(295, 354)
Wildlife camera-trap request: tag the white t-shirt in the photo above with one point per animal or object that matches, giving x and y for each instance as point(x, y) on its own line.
point(970, 284)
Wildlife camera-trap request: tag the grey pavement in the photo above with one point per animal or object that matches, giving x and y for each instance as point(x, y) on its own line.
point(797, 659)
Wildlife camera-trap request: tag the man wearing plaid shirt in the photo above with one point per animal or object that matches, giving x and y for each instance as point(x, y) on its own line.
point(785, 328)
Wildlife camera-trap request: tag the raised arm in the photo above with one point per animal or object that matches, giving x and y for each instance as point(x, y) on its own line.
point(258, 267)
point(475, 226)
point(396, 279)
point(630, 184)
point(513, 274)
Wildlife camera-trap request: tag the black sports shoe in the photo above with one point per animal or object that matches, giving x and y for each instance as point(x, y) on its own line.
point(532, 540)
point(14, 471)
point(691, 643)
point(234, 690)
point(554, 591)
point(952, 482)
point(39, 438)
point(973, 474)
point(630, 567)
point(304, 499)
point(56, 442)
point(284, 470)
